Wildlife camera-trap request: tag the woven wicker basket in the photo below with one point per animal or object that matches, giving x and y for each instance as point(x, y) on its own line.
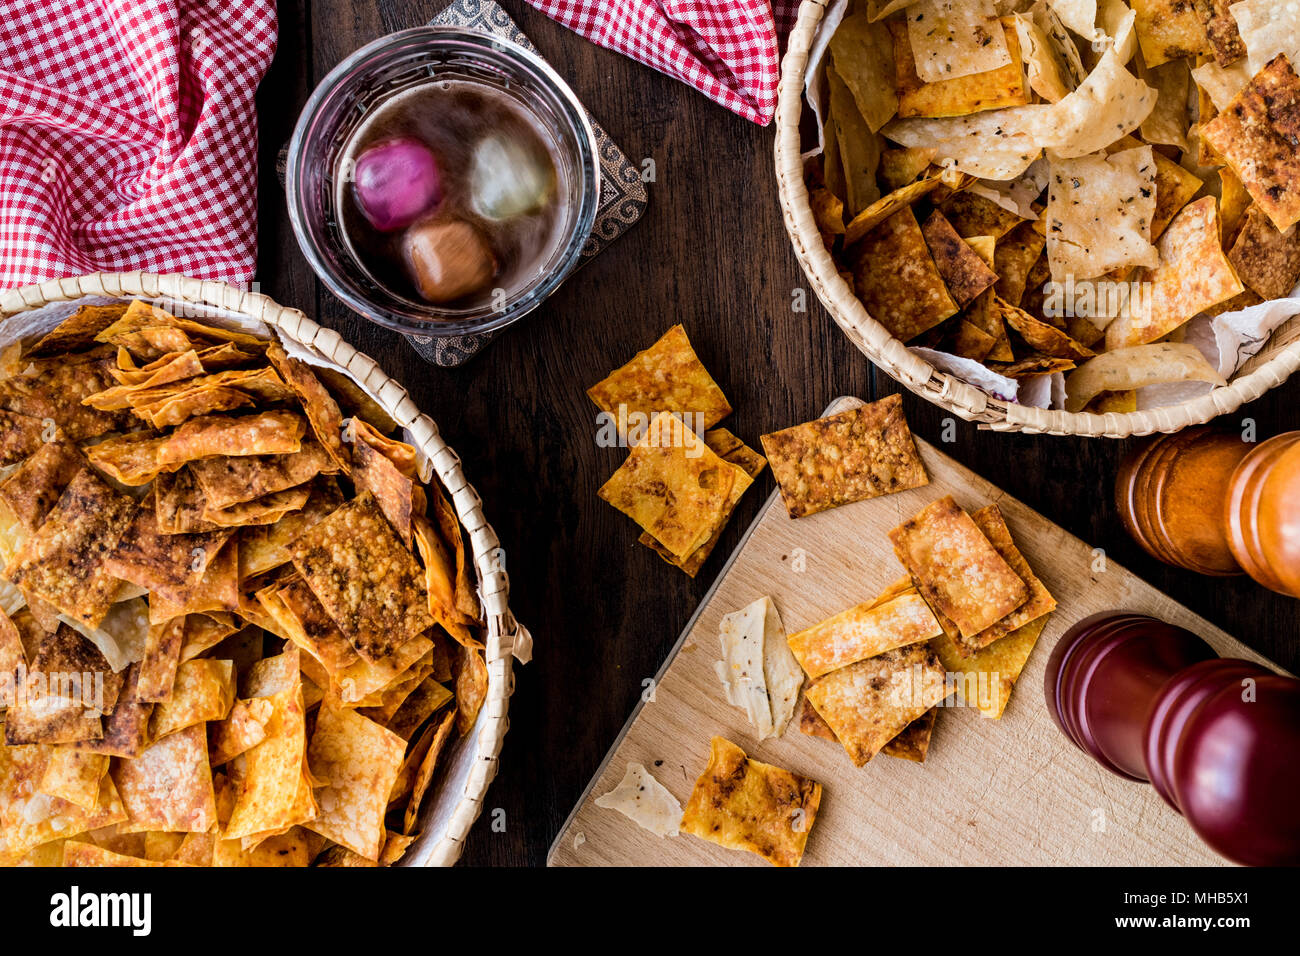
point(471, 762)
point(1268, 369)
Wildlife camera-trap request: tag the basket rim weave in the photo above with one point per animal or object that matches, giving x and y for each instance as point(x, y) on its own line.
point(505, 635)
point(912, 371)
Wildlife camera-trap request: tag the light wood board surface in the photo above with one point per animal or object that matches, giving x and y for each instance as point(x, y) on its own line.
point(1012, 791)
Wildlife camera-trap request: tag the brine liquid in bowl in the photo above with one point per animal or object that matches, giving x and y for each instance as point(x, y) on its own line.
point(451, 194)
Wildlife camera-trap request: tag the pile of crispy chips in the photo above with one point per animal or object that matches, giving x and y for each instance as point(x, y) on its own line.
point(1028, 185)
point(964, 618)
point(969, 605)
point(682, 478)
point(236, 628)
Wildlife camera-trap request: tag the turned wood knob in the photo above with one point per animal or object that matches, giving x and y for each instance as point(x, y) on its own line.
point(1218, 738)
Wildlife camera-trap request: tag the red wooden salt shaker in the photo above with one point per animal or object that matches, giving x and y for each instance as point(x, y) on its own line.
point(1219, 738)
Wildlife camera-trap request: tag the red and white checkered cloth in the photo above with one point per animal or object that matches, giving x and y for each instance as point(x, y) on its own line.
point(726, 49)
point(128, 137)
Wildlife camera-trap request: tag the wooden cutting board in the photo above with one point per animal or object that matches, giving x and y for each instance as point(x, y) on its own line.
point(1012, 791)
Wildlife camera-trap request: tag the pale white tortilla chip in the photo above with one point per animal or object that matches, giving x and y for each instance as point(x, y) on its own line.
point(1222, 84)
point(1099, 213)
point(955, 38)
point(1268, 27)
point(741, 668)
point(782, 673)
point(1079, 15)
point(645, 801)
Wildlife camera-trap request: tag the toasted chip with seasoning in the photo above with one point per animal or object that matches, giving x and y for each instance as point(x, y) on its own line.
point(897, 280)
point(125, 732)
point(868, 703)
point(1169, 30)
point(1099, 213)
point(320, 407)
point(364, 577)
point(426, 700)
point(850, 456)
point(78, 330)
point(742, 804)
point(984, 679)
point(241, 730)
point(261, 511)
point(440, 580)
point(1256, 134)
point(444, 513)
point(204, 691)
point(275, 432)
point(372, 471)
point(423, 775)
point(35, 486)
point(206, 630)
point(162, 654)
point(750, 462)
point(67, 666)
point(1039, 335)
point(23, 435)
point(886, 206)
point(913, 741)
point(666, 377)
point(470, 670)
point(991, 89)
point(863, 631)
point(358, 760)
point(141, 315)
point(171, 566)
point(1015, 255)
point(957, 570)
point(169, 785)
point(55, 392)
point(990, 521)
point(672, 485)
point(63, 560)
point(73, 775)
point(270, 795)
point(963, 271)
point(295, 607)
point(30, 818)
point(264, 547)
point(1175, 188)
point(1266, 260)
point(974, 215)
point(1193, 275)
point(1221, 30)
point(857, 147)
point(216, 590)
point(131, 459)
point(955, 38)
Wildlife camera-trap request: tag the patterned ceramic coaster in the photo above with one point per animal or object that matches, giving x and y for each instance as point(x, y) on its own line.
point(622, 193)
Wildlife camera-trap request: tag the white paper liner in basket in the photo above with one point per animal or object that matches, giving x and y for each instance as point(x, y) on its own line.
point(470, 762)
point(1275, 361)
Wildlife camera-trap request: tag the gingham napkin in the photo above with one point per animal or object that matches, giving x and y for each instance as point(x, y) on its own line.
point(726, 49)
point(128, 138)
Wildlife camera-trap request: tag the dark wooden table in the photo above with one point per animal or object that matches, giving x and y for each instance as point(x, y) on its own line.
point(710, 252)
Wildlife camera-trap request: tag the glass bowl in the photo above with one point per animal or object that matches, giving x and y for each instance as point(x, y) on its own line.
point(389, 66)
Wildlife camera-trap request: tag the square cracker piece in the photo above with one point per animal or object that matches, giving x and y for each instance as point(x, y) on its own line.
point(1257, 134)
point(897, 280)
point(985, 679)
point(666, 377)
point(358, 761)
point(364, 577)
point(673, 486)
point(863, 631)
point(869, 703)
point(742, 804)
point(63, 561)
point(853, 455)
point(733, 451)
point(989, 520)
point(956, 568)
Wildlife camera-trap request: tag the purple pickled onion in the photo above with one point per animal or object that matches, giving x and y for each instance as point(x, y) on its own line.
point(396, 183)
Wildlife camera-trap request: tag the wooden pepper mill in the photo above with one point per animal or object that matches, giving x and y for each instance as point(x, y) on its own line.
point(1218, 738)
point(1205, 500)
